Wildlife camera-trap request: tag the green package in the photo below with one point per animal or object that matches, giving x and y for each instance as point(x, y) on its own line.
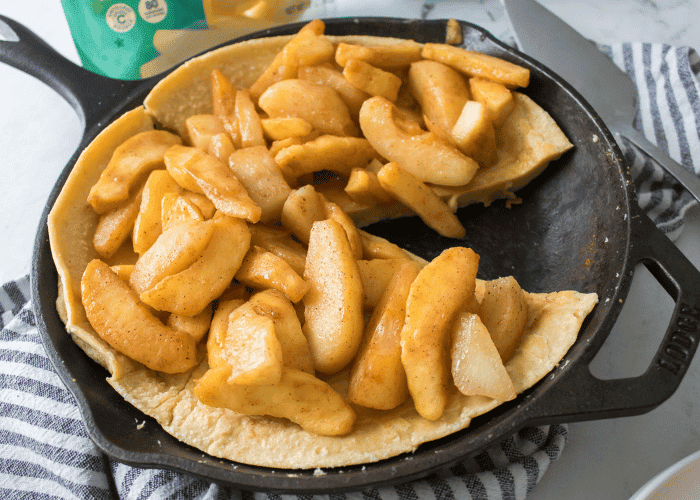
point(115, 37)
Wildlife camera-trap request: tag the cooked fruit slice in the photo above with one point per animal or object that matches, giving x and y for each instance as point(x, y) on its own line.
point(251, 348)
point(190, 291)
point(504, 312)
point(116, 314)
point(372, 80)
point(201, 129)
point(277, 129)
point(333, 304)
point(223, 96)
point(200, 172)
point(148, 226)
point(287, 61)
point(301, 209)
point(495, 96)
point(425, 336)
point(413, 193)
point(173, 251)
point(176, 209)
point(474, 134)
point(376, 275)
point(478, 64)
point(477, 369)
point(319, 105)
point(365, 189)
point(440, 90)
point(377, 377)
point(321, 75)
point(295, 349)
point(195, 326)
point(281, 244)
point(335, 213)
point(263, 269)
point(249, 124)
point(423, 154)
point(328, 152)
point(374, 247)
point(203, 203)
point(115, 227)
point(299, 397)
point(256, 169)
point(218, 329)
point(131, 161)
point(392, 56)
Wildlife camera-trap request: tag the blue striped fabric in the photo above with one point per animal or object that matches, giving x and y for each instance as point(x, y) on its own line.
point(669, 115)
point(45, 451)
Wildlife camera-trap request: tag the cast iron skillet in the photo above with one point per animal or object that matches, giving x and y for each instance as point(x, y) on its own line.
point(579, 227)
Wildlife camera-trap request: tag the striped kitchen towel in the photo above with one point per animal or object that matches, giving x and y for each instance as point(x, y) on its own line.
point(666, 78)
point(45, 451)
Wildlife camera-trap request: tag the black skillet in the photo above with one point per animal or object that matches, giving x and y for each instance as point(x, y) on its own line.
point(579, 227)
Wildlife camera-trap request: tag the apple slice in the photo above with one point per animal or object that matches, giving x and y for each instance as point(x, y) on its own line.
point(295, 349)
point(121, 320)
point(504, 312)
point(256, 169)
point(377, 377)
point(298, 396)
point(438, 293)
point(115, 227)
point(333, 304)
point(263, 269)
point(131, 161)
point(200, 172)
point(251, 348)
point(191, 290)
point(148, 225)
point(173, 251)
point(477, 369)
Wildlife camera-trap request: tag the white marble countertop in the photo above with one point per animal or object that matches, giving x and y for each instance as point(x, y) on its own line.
point(603, 459)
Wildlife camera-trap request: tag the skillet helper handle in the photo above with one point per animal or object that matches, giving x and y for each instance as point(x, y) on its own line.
point(579, 396)
point(91, 95)
point(687, 179)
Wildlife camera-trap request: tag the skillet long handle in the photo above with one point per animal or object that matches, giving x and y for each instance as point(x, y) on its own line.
point(90, 94)
point(579, 396)
point(688, 180)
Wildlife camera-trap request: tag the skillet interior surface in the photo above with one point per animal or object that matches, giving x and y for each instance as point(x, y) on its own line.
point(572, 231)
